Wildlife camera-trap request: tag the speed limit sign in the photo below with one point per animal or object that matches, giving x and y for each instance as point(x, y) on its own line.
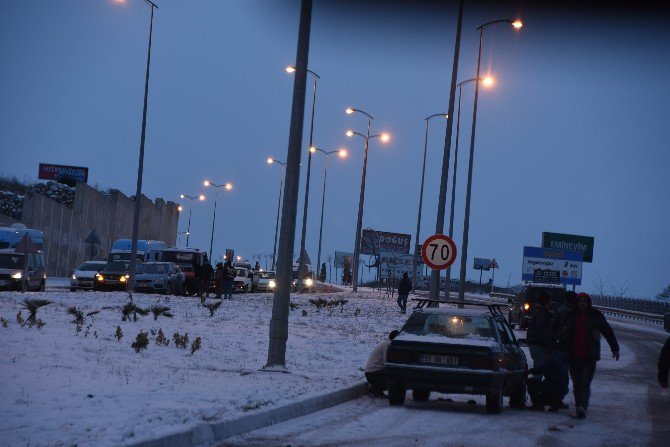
point(438, 252)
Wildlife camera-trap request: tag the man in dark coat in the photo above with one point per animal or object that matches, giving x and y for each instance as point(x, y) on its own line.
point(664, 364)
point(559, 322)
point(583, 329)
point(228, 280)
point(538, 335)
point(204, 282)
point(219, 275)
point(404, 287)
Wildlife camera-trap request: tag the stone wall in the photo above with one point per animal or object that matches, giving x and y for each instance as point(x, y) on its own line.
point(110, 215)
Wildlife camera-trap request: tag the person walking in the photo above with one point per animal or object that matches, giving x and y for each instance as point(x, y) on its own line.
point(404, 287)
point(219, 276)
point(664, 364)
point(374, 368)
point(538, 334)
point(228, 280)
point(584, 327)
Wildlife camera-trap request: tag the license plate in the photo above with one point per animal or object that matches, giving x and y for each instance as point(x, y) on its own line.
point(439, 359)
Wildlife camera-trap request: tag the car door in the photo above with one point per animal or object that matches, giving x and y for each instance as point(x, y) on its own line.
point(31, 272)
point(517, 357)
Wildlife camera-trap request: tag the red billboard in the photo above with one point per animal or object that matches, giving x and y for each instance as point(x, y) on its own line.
point(70, 175)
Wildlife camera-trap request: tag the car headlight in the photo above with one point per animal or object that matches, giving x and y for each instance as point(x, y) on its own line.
point(123, 278)
point(526, 306)
point(99, 277)
point(17, 275)
point(74, 276)
point(309, 282)
point(272, 284)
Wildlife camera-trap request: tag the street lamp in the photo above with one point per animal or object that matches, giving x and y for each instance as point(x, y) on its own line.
point(281, 181)
point(384, 137)
point(418, 219)
point(516, 24)
point(342, 153)
point(140, 164)
point(228, 187)
point(487, 82)
point(301, 260)
point(201, 197)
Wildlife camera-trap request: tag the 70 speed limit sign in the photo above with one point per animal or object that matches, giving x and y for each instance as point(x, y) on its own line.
point(438, 252)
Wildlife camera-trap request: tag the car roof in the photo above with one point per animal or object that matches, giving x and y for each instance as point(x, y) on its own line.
point(454, 311)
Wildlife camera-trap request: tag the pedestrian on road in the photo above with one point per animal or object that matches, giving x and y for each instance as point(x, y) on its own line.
point(664, 364)
point(538, 334)
point(404, 287)
point(205, 280)
point(374, 368)
point(584, 326)
point(219, 275)
point(228, 280)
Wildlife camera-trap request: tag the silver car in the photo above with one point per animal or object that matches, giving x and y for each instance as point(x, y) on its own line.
point(84, 275)
point(160, 277)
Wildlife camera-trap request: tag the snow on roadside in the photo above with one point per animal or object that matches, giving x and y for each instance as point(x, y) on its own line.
point(59, 387)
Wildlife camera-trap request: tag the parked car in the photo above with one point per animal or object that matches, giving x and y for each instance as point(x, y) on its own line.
point(452, 350)
point(84, 276)
point(17, 269)
point(263, 281)
point(523, 304)
point(185, 258)
point(113, 276)
point(242, 279)
point(161, 277)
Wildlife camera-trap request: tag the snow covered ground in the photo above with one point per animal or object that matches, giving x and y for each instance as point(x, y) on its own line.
point(60, 387)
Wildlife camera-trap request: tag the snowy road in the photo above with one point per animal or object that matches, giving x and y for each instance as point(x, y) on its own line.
point(628, 408)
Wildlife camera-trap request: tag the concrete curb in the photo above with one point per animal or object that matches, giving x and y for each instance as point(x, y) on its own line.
point(208, 434)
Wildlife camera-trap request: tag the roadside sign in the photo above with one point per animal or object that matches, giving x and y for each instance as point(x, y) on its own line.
point(567, 263)
point(571, 242)
point(438, 252)
point(482, 264)
point(547, 276)
point(373, 242)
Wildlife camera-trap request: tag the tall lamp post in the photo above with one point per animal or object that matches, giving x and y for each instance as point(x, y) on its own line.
point(342, 153)
point(466, 222)
point(281, 182)
point(487, 82)
point(359, 222)
point(228, 187)
point(418, 219)
point(201, 197)
point(301, 258)
point(140, 165)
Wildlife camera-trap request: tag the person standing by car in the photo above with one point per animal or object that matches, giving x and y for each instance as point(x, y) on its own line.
point(558, 323)
point(548, 384)
point(219, 275)
point(204, 282)
point(538, 334)
point(664, 364)
point(228, 280)
point(374, 368)
point(404, 287)
point(584, 326)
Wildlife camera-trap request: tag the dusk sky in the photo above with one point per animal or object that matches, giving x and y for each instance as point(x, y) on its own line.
point(572, 138)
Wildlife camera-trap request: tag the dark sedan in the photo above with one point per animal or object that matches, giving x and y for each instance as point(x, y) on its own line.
point(463, 351)
point(113, 276)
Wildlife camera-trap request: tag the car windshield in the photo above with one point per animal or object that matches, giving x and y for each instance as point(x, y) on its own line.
point(240, 272)
point(153, 268)
point(449, 325)
point(116, 267)
point(267, 275)
point(90, 267)
point(11, 261)
point(181, 258)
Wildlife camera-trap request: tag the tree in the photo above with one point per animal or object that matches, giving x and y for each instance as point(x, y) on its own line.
point(665, 294)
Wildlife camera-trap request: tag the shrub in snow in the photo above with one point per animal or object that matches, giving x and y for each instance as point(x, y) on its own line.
point(180, 341)
point(357, 312)
point(19, 319)
point(292, 305)
point(304, 313)
point(160, 311)
point(79, 316)
point(128, 310)
point(195, 345)
point(141, 341)
point(161, 340)
point(119, 333)
point(212, 307)
point(32, 306)
point(3, 321)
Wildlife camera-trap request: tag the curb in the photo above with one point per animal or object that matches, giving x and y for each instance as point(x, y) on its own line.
point(207, 434)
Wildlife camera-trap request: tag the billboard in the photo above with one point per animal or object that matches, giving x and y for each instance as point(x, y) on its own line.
point(572, 242)
point(567, 263)
point(482, 264)
point(374, 242)
point(70, 175)
point(342, 258)
point(395, 264)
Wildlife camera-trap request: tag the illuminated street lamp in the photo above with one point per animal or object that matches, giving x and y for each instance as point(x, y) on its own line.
point(418, 219)
point(301, 260)
point(281, 181)
point(228, 187)
point(516, 24)
point(342, 153)
point(201, 197)
point(359, 223)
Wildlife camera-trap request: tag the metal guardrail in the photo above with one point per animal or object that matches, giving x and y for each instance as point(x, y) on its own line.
point(643, 316)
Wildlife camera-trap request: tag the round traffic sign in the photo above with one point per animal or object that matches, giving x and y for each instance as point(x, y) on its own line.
point(438, 252)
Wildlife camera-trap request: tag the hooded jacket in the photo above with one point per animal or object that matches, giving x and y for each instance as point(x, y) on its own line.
point(595, 324)
point(404, 286)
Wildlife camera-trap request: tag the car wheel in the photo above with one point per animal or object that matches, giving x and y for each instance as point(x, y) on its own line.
point(517, 398)
point(396, 394)
point(420, 395)
point(494, 402)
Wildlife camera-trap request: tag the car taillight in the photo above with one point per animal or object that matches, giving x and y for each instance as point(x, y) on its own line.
point(526, 307)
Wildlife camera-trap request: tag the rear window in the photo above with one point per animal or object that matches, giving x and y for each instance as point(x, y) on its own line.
point(266, 275)
point(90, 267)
point(449, 325)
